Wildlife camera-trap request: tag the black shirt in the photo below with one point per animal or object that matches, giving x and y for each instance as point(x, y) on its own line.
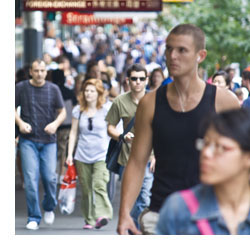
point(174, 135)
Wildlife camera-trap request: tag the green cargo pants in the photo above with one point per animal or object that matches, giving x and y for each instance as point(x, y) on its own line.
point(93, 179)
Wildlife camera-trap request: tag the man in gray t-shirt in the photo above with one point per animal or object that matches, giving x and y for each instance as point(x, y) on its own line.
point(42, 111)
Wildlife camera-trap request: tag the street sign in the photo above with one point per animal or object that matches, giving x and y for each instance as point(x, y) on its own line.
point(92, 5)
point(76, 18)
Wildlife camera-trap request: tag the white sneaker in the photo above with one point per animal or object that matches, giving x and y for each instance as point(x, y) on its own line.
point(49, 217)
point(32, 225)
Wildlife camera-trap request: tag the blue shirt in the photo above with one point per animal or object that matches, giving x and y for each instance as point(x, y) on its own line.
point(175, 218)
point(246, 103)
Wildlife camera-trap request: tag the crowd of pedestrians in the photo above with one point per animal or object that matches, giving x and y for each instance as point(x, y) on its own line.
point(88, 88)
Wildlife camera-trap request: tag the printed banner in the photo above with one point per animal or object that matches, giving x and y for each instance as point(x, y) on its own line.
point(75, 18)
point(177, 1)
point(92, 5)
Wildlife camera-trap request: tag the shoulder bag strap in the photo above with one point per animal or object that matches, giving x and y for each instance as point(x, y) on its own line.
point(193, 205)
point(130, 125)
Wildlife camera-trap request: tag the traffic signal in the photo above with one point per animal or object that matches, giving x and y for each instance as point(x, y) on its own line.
point(51, 16)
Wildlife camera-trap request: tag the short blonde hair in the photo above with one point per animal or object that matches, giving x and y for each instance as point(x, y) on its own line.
point(111, 71)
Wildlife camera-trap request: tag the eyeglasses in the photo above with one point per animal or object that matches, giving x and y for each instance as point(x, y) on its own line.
point(90, 125)
point(215, 148)
point(134, 79)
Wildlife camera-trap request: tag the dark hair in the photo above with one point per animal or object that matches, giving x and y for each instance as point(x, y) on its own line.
point(189, 29)
point(38, 60)
point(106, 81)
point(90, 64)
point(23, 74)
point(62, 58)
point(234, 124)
point(152, 74)
point(224, 74)
point(246, 75)
point(136, 67)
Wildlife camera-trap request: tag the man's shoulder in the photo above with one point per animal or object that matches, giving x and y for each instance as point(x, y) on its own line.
point(21, 83)
point(123, 97)
point(148, 99)
point(226, 100)
point(51, 85)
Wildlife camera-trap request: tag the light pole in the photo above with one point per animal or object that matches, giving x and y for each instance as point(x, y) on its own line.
point(33, 36)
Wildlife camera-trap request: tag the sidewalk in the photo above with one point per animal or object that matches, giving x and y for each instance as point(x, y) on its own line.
point(63, 225)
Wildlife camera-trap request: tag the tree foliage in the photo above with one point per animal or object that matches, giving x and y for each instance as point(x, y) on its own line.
point(226, 24)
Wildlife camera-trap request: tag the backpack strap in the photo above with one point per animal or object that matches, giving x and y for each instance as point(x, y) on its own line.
point(193, 206)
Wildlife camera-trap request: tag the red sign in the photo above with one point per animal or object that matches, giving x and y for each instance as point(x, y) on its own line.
point(92, 5)
point(75, 18)
point(177, 1)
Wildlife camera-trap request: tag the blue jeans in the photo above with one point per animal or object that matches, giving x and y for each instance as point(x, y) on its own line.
point(143, 199)
point(38, 159)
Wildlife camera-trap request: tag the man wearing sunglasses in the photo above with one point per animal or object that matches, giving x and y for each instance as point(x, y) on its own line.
point(167, 120)
point(124, 108)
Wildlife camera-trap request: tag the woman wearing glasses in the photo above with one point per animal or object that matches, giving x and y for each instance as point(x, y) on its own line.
point(221, 204)
point(89, 135)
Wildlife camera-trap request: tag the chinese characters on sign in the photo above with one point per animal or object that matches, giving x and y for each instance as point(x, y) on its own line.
point(93, 5)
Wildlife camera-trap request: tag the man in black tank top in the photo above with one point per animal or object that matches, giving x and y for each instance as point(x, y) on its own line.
point(168, 120)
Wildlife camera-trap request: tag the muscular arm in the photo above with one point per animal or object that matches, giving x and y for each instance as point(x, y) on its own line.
point(135, 169)
point(225, 100)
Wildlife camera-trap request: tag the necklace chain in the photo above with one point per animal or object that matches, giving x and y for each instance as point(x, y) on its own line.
point(180, 98)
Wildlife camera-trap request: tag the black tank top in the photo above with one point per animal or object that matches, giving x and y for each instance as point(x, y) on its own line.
point(174, 135)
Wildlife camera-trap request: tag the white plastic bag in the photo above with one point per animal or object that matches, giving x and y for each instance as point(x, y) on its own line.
point(66, 197)
point(67, 192)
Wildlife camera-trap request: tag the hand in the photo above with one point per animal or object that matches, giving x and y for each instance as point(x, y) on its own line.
point(25, 128)
point(50, 128)
point(129, 137)
point(69, 160)
point(125, 224)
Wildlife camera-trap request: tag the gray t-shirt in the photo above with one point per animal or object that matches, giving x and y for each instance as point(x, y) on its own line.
point(39, 107)
point(92, 144)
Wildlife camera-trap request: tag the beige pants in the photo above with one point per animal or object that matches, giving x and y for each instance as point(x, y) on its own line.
point(62, 140)
point(148, 220)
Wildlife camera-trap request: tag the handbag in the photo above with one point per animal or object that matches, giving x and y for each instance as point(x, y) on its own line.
point(67, 192)
point(115, 148)
point(193, 205)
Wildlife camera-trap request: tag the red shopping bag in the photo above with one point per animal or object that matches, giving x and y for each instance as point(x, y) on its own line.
point(67, 192)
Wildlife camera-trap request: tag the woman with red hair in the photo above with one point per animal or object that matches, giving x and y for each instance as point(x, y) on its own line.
point(89, 130)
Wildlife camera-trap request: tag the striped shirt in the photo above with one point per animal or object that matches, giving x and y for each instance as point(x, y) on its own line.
point(38, 108)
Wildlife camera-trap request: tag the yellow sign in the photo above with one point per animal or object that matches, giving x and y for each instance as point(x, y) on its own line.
point(176, 1)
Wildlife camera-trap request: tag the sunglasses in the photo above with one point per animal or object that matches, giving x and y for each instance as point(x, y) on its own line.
point(90, 123)
point(134, 79)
